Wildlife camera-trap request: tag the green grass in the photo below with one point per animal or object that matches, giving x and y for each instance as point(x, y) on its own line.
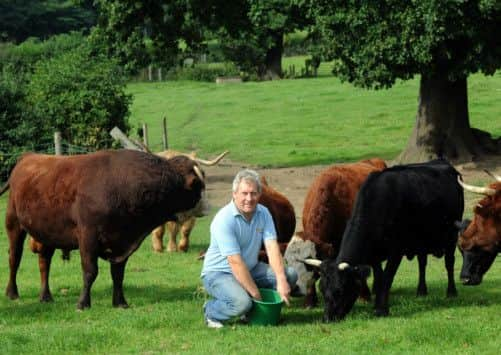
point(282, 123)
point(294, 122)
point(165, 295)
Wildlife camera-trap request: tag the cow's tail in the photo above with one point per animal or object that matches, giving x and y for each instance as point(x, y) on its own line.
point(5, 187)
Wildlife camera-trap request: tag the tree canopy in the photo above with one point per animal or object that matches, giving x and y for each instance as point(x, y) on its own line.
point(22, 19)
point(250, 31)
point(375, 43)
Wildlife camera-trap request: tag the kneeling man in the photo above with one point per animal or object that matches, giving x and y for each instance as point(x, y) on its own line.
point(231, 273)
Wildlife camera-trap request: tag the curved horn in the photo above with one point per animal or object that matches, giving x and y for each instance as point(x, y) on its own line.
point(198, 172)
point(313, 262)
point(214, 161)
point(494, 176)
point(343, 266)
point(487, 191)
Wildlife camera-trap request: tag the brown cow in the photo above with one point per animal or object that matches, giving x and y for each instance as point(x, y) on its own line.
point(282, 212)
point(326, 210)
point(103, 204)
point(480, 239)
point(185, 221)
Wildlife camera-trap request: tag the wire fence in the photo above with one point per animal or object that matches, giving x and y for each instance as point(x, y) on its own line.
point(67, 148)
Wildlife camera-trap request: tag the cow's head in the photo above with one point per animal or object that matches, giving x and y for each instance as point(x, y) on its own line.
point(194, 185)
point(479, 239)
point(340, 284)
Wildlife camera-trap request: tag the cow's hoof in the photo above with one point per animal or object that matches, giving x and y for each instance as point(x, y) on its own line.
point(421, 293)
point(452, 293)
point(381, 312)
point(83, 305)
point(46, 299)
point(121, 305)
point(12, 295)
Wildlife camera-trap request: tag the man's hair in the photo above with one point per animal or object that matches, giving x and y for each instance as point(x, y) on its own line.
point(249, 176)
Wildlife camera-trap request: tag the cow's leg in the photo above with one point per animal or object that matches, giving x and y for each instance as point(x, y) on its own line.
point(44, 261)
point(449, 266)
point(365, 292)
point(186, 229)
point(173, 228)
point(378, 278)
point(311, 298)
point(157, 237)
point(16, 241)
point(422, 289)
point(117, 275)
point(381, 305)
point(88, 256)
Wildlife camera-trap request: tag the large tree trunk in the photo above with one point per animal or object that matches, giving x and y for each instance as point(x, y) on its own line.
point(442, 126)
point(273, 60)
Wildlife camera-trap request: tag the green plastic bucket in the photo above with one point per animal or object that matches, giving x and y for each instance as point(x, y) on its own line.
point(266, 311)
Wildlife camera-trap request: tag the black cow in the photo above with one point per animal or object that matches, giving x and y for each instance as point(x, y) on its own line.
point(103, 203)
point(404, 210)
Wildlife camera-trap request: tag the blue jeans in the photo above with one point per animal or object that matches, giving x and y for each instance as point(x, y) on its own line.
point(230, 299)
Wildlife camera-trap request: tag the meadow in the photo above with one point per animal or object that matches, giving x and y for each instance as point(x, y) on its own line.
point(280, 123)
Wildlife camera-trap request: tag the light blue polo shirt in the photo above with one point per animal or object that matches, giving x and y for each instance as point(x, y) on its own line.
point(231, 233)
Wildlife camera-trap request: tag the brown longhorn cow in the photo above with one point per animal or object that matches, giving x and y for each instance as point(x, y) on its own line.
point(480, 239)
point(103, 204)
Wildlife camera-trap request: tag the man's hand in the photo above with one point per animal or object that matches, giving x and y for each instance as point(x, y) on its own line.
point(284, 290)
point(277, 265)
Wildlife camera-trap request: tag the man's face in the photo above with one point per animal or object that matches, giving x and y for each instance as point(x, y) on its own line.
point(246, 197)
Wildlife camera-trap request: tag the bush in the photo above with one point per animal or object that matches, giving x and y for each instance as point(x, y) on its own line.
point(81, 95)
point(16, 132)
point(24, 56)
point(202, 72)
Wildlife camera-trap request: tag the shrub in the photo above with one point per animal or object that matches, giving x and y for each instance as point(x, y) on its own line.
point(81, 95)
point(202, 72)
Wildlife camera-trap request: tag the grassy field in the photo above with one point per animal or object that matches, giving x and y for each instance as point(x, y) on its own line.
point(281, 123)
point(295, 122)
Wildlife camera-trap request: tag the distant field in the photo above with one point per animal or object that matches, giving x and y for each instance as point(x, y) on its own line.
point(295, 122)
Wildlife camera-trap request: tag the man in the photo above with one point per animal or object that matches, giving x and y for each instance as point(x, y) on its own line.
point(231, 273)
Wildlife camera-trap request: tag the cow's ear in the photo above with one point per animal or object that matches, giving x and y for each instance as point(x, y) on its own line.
point(195, 180)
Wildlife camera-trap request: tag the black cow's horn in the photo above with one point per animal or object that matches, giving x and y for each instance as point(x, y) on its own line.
point(313, 262)
point(214, 161)
point(343, 266)
point(478, 190)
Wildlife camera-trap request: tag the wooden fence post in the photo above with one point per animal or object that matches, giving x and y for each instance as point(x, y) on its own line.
point(126, 142)
point(164, 134)
point(57, 143)
point(145, 135)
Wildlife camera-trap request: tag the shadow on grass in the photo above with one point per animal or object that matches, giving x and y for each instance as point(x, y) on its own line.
point(28, 305)
point(404, 303)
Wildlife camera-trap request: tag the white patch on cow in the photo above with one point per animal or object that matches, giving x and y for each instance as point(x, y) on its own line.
point(298, 250)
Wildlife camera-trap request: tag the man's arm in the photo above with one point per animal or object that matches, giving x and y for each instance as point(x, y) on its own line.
point(277, 265)
point(243, 276)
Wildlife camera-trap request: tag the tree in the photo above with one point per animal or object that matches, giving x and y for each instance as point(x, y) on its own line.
point(127, 28)
point(250, 31)
point(377, 42)
point(252, 34)
point(22, 19)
